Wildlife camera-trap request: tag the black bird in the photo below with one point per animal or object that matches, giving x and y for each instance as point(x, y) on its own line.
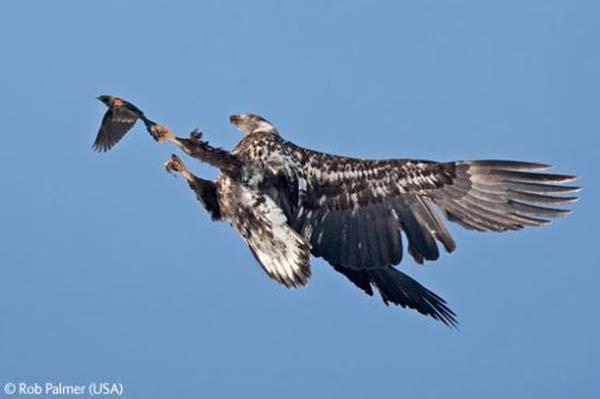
point(117, 121)
point(285, 200)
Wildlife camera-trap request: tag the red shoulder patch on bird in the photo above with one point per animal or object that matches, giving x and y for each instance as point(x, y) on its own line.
point(117, 102)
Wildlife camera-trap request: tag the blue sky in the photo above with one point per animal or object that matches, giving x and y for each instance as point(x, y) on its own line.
point(112, 271)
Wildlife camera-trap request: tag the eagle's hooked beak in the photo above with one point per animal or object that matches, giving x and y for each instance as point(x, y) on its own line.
point(235, 119)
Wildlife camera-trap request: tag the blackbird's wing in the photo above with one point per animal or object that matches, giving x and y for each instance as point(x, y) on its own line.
point(117, 121)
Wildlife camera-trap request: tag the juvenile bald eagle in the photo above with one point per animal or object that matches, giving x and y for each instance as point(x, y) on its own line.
point(286, 200)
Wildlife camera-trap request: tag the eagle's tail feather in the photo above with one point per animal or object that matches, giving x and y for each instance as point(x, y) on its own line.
point(400, 289)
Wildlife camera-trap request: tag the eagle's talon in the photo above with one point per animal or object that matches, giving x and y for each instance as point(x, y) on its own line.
point(196, 135)
point(174, 165)
point(169, 169)
point(160, 133)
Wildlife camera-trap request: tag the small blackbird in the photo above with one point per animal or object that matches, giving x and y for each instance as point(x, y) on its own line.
point(120, 117)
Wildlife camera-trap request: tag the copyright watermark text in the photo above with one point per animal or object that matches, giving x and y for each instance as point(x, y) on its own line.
point(57, 389)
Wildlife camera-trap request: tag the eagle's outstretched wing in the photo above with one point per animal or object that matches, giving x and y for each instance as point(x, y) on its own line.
point(283, 254)
point(352, 210)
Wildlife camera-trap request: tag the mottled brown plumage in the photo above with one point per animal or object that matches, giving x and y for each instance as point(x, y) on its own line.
point(283, 254)
point(286, 200)
point(353, 211)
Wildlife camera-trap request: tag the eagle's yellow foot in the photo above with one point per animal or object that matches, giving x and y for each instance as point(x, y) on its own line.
point(160, 133)
point(175, 165)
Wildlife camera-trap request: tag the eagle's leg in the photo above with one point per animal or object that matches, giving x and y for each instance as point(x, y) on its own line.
point(200, 149)
point(217, 157)
point(206, 190)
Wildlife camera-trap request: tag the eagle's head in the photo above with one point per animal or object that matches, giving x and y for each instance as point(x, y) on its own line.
point(252, 123)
